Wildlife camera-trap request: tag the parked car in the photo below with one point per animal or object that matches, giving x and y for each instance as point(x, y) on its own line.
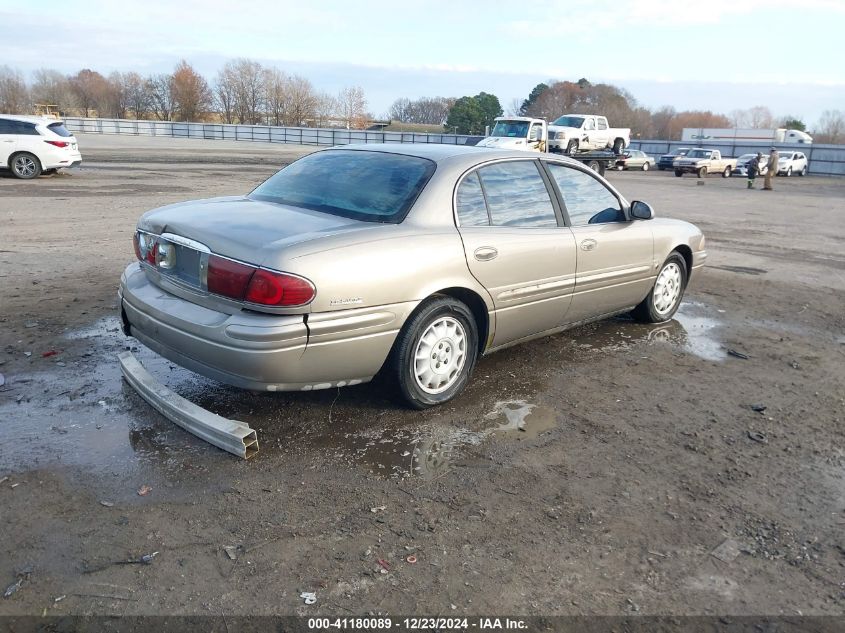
point(665, 161)
point(701, 162)
point(411, 259)
point(792, 163)
point(635, 159)
point(32, 145)
point(741, 168)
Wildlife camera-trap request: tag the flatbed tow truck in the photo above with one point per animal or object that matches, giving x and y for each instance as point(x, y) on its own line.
point(532, 135)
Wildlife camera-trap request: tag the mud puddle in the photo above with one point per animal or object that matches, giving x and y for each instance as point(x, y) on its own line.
point(75, 410)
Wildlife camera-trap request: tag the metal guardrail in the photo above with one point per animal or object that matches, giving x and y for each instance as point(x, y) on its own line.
point(824, 160)
point(259, 133)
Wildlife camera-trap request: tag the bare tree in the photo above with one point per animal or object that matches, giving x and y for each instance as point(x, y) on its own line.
point(112, 100)
point(51, 87)
point(352, 107)
point(192, 97)
point(14, 94)
point(831, 127)
point(137, 94)
point(246, 78)
point(739, 118)
point(88, 87)
point(160, 90)
point(224, 94)
point(276, 95)
point(325, 108)
point(760, 117)
point(400, 110)
point(302, 100)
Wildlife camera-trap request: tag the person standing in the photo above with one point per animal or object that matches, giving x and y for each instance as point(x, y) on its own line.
point(752, 168)
point(772, 169)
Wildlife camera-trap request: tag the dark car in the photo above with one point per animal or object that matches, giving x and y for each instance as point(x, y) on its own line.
point(666, 160)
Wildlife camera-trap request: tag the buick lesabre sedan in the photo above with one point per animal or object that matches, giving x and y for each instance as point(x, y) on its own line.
point(415, 260)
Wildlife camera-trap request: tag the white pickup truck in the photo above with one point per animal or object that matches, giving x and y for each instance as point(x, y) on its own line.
point(573, 133)
point(532, 135)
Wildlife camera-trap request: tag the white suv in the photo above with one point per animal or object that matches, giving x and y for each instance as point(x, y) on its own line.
point(792, 163)
point(32, 145)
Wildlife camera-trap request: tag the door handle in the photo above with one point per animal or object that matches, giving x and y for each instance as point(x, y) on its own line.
point(485, 253)
point(589, 244)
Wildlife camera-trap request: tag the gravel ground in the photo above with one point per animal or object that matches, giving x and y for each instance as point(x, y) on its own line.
point(642, 479)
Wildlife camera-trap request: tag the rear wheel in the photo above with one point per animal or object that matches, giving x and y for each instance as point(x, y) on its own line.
point(572, 147)
point(436, 352)
point(618, 146)
point(666, 294)
point(702, 172)
point(726, 173)
point(25, 165)
point(803, 171)
point(646, 166)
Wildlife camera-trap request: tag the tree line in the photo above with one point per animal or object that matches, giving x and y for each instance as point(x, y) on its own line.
point(245, 91)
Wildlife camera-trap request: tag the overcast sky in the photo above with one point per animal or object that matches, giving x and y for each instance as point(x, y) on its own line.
point(690, 55)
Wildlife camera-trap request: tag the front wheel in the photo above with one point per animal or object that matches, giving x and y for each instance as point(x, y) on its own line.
point(436, 352)
point(666, 294)
point(788, 172)
point(678, 173)
point(702, 172)
point(25, 166)
point(572, 147)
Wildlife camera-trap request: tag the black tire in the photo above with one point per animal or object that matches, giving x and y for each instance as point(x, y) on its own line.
point(618, 146)
point(702, 172)
point(595, 166)
point(789, 171)
point(803, 171)
point(678, 173)
point(726, 173)
point(25, 166)
point(404, 361)
point(646, 312)
point(572, 147)
point(646, 166)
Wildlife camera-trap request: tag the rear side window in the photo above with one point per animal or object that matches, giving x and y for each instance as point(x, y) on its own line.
point(362, 185)
point(9, 126)
point(60, 129)
point(472, 210)
point(517, 195)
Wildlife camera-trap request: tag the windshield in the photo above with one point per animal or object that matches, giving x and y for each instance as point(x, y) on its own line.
point(699, 153)
point(515, 129)
point(362, 185)
point(747, 157)
point(785, 157)
point(569, 121)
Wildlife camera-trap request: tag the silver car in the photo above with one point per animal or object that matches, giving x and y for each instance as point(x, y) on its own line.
point(412, 259)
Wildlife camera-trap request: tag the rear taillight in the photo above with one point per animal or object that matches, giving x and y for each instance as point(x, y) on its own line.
point(228, 278)
point(58, 143)
point(279, 289)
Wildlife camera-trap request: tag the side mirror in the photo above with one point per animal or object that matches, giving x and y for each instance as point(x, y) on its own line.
point(641, 210)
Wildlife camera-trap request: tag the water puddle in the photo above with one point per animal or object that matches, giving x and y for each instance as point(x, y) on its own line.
point(74, 409)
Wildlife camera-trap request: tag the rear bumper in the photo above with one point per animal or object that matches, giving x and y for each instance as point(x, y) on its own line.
point(262, 352)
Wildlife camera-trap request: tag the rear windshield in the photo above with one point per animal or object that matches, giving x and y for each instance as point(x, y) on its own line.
point(362, 185)
point(60, 129)
point(569, 121)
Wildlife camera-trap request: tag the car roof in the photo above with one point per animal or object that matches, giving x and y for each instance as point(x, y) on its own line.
point(442, 152)
point(29, 118)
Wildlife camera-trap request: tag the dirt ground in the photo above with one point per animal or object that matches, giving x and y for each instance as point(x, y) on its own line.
point(593, 472)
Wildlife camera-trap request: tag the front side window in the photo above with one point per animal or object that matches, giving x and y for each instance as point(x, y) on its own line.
point(586, 199)
point(362, 185)
point(517, 195)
